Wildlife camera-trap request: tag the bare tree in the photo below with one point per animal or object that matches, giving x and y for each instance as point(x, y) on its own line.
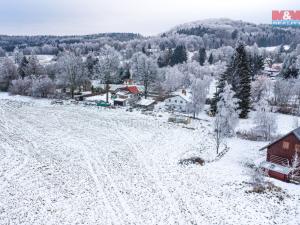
point(107, 67)
point(219, 134)
point(144, 70)
point(199, 89)
point(72, 71)
point(8, 72)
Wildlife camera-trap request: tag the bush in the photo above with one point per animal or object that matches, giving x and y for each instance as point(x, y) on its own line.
point(43, 87)
point(192, 160)
point(21, 86)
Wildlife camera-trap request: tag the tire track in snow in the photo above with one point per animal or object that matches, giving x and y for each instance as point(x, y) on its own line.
point(132, 140)
point(172, 203)
point(7, 134)
point(110, 193)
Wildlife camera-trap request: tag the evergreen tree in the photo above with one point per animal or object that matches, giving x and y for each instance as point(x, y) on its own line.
point(289, 68)
point(202, 56)
point(210, 59)
point(22, 67)
point(90, 64)
point(179, 55)
point(238, 75)
point(165, 58)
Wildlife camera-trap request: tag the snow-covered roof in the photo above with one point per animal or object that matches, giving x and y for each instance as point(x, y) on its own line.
point(120, 99)
point(187, 96)
point(269, 69)
point(297, 133)
point(123, 93)
point(276, 167)
point(145, 102)
point(99, 98)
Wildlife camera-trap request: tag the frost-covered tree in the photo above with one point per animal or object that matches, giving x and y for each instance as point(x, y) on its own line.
point(91, 62)
point(295, 165)
point(219, 133)
point(22, 69)
point(282, 91)
point(71, 71)
point(227, 110)
point(34, 67)
point(43, 87)
point(289, 67)
point(265, 121)
point(108, 67)
point(144, 70)
point(262, 87)
point(2, 52)
point(173, 79)
point(18, 55)
point(21, 86)
point(8, 72)
point(199, 89)
point(165, 58)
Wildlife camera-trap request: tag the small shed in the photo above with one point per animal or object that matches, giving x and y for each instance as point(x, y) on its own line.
point(281, 153)
point(147, 104)
point(120, 102)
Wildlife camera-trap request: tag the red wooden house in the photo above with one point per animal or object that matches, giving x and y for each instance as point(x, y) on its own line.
point(280, 157)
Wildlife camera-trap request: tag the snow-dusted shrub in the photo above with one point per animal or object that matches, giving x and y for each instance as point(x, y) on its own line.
point(21, 86)
point(258, 180)
point(43, 87)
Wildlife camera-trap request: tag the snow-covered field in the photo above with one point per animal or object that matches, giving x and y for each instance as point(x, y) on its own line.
point(65, 164)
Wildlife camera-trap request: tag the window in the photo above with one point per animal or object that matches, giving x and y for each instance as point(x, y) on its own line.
point(297, 148)
point(175, 101)
point(181, 102)
point(169, 100)
point(286, 145)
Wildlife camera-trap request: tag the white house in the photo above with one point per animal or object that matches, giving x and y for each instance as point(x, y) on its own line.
point(179, 101)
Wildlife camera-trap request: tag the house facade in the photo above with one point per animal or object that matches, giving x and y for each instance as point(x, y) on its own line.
point(179, 102)
point(281, 155)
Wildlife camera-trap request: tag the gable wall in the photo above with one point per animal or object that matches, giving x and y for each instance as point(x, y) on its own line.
point(277, 148)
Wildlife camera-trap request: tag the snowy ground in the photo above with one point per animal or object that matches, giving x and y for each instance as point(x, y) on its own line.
point(64, 164)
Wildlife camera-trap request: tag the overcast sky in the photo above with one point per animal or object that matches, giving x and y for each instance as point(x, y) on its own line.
point(148, 17)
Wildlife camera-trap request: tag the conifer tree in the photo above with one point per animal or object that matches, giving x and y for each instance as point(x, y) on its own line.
point(202, 56)
point(210, 59)
point(179, 55)
point(238, 75)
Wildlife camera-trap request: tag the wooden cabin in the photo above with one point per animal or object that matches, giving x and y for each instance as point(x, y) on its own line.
point(279, 163)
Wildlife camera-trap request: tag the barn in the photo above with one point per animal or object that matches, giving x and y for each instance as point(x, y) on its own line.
point(282, 161)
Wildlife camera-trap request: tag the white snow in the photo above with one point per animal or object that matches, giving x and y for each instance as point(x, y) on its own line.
point(66, 164)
